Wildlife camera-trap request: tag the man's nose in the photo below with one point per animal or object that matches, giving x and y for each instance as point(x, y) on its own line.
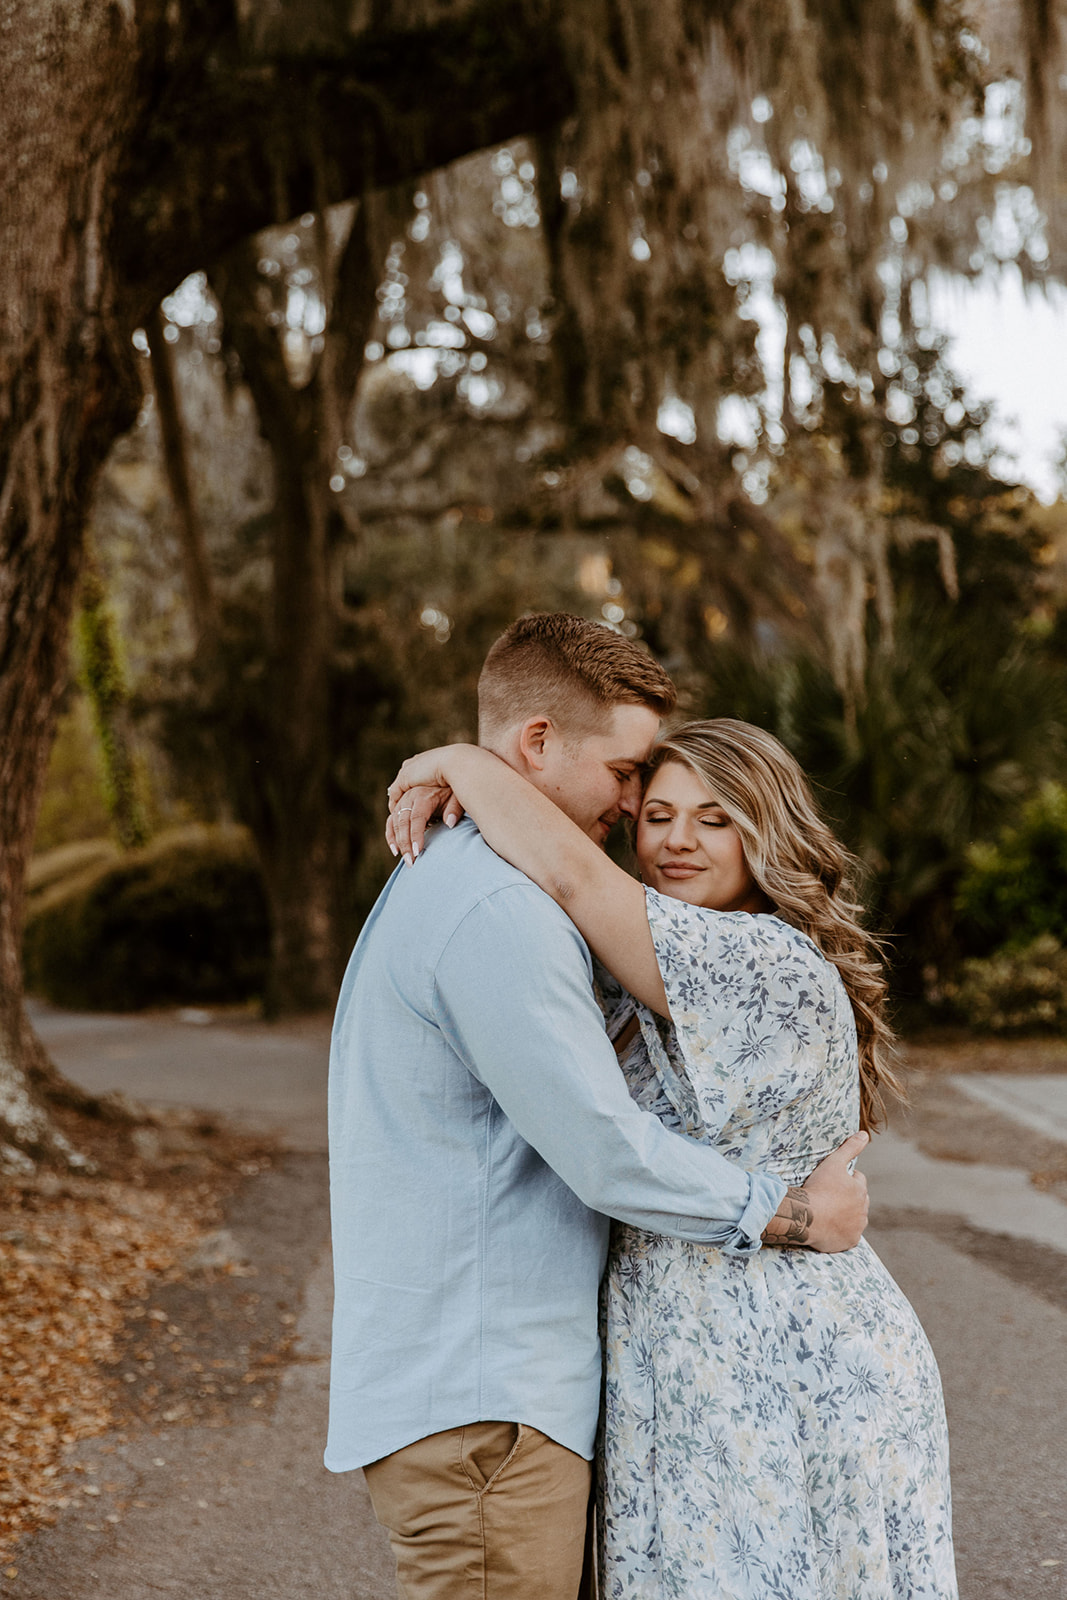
point(630, 799)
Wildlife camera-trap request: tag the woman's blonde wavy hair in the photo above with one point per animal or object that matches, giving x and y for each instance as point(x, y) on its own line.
point(804, 871)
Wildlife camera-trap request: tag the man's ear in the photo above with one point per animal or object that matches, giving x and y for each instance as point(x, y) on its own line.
point(535, 735)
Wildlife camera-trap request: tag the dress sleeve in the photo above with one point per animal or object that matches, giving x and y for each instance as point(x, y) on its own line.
point(616, 1004)
point(750, 999)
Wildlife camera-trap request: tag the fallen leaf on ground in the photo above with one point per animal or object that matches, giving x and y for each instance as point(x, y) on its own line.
point(76, 1253)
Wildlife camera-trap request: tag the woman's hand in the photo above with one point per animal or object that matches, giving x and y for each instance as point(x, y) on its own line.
point(526, 827)
point(419, 793)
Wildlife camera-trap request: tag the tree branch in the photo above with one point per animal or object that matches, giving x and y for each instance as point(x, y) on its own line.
point(290, 421)
point(230, 143)
point(352, 310)
point(176, 458)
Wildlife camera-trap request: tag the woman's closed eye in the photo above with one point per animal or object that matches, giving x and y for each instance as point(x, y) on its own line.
point(712, 820)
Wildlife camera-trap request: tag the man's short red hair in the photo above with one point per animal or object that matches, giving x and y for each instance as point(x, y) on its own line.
point(569, 669)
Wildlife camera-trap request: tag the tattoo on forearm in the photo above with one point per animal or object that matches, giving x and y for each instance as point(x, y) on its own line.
point(791, 1223)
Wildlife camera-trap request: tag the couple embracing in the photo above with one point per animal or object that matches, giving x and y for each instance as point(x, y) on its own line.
point(529, 1043)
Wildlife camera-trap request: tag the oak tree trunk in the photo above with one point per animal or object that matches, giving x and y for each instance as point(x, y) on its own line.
point(282, 791)
point(66, 390)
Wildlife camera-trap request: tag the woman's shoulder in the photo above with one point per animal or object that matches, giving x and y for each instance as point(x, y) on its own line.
point(760, 942)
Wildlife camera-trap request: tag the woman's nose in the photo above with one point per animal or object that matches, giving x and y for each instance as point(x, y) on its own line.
point(680, 836)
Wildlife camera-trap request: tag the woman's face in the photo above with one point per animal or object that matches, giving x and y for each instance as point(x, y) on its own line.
point(687, 846)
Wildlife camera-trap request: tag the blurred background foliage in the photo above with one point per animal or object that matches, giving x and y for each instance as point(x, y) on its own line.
point(686, 384)
point(1012, 905)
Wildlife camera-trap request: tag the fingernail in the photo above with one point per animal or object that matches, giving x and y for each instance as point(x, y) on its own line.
point(394, 852)
point(408, 859)
point(415, 850)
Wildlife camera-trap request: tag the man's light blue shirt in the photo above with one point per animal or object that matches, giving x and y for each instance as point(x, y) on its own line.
point(481, 1134)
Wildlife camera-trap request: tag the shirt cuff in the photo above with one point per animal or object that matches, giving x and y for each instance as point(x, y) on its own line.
point(766, 1193)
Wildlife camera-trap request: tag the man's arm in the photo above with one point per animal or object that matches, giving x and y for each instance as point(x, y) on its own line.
point(514, 997)
point(828, 1211)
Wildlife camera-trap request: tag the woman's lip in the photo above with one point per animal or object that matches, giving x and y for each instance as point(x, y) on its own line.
point(677, 869)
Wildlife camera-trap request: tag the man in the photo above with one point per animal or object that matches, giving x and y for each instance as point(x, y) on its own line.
point(481, 1135)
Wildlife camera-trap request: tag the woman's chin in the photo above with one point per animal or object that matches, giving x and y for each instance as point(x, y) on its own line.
point(692, 890)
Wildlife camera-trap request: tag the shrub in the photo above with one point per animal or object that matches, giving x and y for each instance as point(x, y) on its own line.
point(1018, 990)
point(1015, 890)
point(67, 865)
point(183, 919)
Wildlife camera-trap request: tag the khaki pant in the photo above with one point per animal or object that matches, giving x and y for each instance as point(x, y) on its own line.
point(492, 1511)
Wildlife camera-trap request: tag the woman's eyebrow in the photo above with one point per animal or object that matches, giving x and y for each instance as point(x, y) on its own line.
point(706, 805)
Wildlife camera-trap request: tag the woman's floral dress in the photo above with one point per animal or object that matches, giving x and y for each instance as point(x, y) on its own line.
point(773, 1427)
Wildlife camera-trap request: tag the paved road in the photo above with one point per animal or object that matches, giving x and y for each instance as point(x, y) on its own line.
point(246, 1509)
point(269, 1079)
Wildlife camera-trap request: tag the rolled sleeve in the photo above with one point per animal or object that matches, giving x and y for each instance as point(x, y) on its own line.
point(766, 1195)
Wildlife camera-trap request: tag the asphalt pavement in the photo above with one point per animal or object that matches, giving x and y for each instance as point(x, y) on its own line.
point(243, 1507)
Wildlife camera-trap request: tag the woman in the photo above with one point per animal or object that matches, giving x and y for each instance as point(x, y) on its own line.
point(773, 1423)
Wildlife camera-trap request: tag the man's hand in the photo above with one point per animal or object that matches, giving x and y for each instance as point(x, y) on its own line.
point(829, 1211)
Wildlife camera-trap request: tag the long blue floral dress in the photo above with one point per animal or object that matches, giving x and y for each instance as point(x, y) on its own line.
point(773, 1427)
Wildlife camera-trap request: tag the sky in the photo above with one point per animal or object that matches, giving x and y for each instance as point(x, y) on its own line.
point(1009, 345)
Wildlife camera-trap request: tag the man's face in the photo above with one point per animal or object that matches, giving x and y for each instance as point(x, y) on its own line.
point(595, 779)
